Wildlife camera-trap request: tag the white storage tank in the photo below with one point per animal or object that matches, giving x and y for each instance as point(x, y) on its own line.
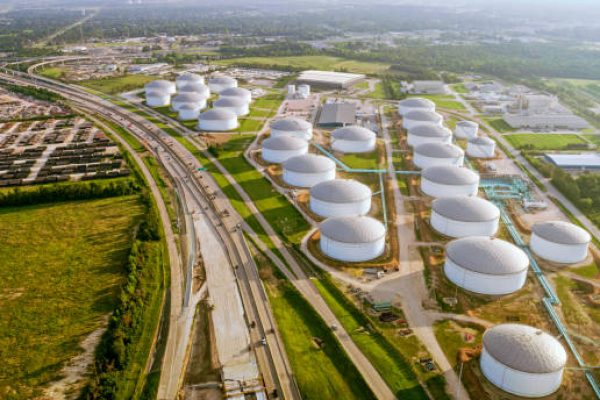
point(281, 148)
point(217, 120)
point(415, 104)
point(292, 126)
point(414, 118)
point(291, 89)
point(486, 265)
point(188, 98)
point(464, 216)
point(466, 130)
point(352, 239)
point(421, 134)
point(304, 90)
point(560, 242)
point(340, 198)
point(234, 104)
point(522, 360)
point(188, 78)
point(189, 112)
point(199, 88)
point(431, 154)
point(218, 83)
point(307, 170)
point(353, 139)
point(158, 99)
point(237, 92)
point(449, 181)
point(160, 85)
point(481, 147)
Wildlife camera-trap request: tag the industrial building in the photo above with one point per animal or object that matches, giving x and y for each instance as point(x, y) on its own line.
point(308, 170)
point(217, 120)
point(330, 79)
point(340, 198)
point(188, 78)
point(415, 104)
point(353, 139)
point(218, 83)
point(522, 360)
point(352, 239)
point(431, 154)
point(560, 242)
point(278, 149)
point(464, 216)
point(486, 265)
point(188, 98)
point(546, 121)
point(427, 87)
point(189, 112)
point(237, 92)
point(420, 134)
point(414, 118)
point(193, 87)
point(334, 115)
point(449, 181)
point(581, 161)
point(466, 130)
point(481, 147)
point(157, 98)
point(161, 86)
point(292, 126)
point(236, 105)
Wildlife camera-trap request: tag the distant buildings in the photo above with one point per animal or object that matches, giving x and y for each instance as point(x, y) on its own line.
point(337, 80)
point(426, 87)
point(581, 161)
point(546, 121)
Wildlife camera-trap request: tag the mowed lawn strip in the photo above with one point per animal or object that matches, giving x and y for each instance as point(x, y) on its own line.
point(328, 63)
point(61, 272)
point(540, 141)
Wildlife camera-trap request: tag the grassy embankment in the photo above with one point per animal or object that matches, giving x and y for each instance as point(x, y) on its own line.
point(117, 84)
point(540, 141)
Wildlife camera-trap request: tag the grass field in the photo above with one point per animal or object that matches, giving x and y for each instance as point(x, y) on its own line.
point(498, 124)
point(451, 340)
point(540, 141)
point(117, 84)
point(61, 270)
point(378, 93)
point(52, 72)
point(311, 62)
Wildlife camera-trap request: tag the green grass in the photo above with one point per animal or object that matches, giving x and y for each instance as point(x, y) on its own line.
point(250, 125)
point(393, 367)
point(61, 271)
point(451, 340)
point(118, 84)
point(271, 104)
point(327, 63)
point(460, 88)
point(499, 124)
point(378, 93)
point(450, 104)
point(52, 72)
point(588, 271)
point(540, 141)
point(361, 160)
point(361, 85)
point(595, 139)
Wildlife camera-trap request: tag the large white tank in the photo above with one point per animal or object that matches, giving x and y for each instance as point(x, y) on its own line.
point(431, 154)
point(237, 92)
point(236, 105)
point(522, 360)
point(560, 242)
point(189, 112)
point(291, 89)
point(414, 118)
point(199, 88)
point(307, 170)
point(188, 98)
point(160, 85)
point(421, 134)
point(304, 90)
point(292, 126)
point(353, 139)
point(481, 147)
point(466, 130)
point(217, 120)
point(340, 198)
point(464, 216)
point(158, 99)
point(281, 148)
point(486, 265)
point(414, 104)
point(352, 239)
point(188, 78)
point(449, 181)
point(218, 83)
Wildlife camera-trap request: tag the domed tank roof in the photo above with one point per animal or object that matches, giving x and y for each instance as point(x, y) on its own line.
point(284, 143)
point(309, 164)
point(188, 97)
point(487, 255)
point(188, 106)
point(217, 114)
point(417, 102)
point(222, 80)
point(340, 191)
point(450, 175)
point(469, 124)
point(430, 131)
point(236, 92)
point(439, 150)
point(159, 84)
point(195, 88)
point(353, 133)
point(290, 124)
point(422, 115)
point(353, 229)
point(230, 102)
point(482, 140)
point(189, 77)
point(466, 209)
point(157, 93)
point(525, 348)
point(561, 232)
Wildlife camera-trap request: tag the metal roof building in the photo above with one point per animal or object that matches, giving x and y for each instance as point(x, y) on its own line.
point(335, 115)
point(580, 161)
point(339, 80)
point(546, 121)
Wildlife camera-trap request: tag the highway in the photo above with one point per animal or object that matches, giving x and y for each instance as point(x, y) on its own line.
point(273, 365)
